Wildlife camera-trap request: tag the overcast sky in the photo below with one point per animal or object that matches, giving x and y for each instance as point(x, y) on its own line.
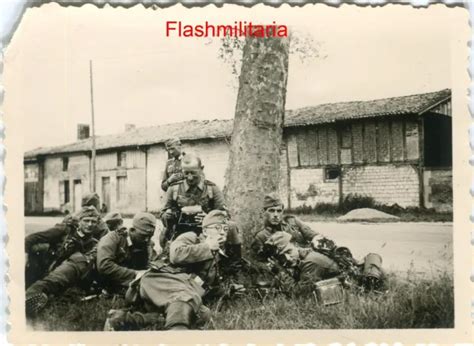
point(144, 78)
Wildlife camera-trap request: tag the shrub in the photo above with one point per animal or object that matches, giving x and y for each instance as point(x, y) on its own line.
point(356, 201)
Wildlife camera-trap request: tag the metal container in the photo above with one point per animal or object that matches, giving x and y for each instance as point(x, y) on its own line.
point(329, 292)
point(372, 266)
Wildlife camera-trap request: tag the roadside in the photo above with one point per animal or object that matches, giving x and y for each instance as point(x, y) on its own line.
point(423, 248)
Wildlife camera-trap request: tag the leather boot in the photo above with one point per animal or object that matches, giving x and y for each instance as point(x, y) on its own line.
point(179, 316)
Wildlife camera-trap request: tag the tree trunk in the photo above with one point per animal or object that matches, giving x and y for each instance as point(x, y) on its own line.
point(254, 160)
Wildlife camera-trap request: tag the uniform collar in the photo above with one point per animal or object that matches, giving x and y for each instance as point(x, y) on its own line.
point(200, 185)
point(276, 228)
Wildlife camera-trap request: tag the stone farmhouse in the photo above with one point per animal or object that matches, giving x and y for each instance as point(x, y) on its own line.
point(397, 150)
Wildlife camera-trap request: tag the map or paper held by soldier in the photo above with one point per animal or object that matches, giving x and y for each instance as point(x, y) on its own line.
point(238, 174)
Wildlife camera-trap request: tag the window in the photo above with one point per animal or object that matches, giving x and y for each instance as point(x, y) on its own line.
point(346, 144)
point(121, 159)
point(65, 163)
point(121, 189)
point(331, 173)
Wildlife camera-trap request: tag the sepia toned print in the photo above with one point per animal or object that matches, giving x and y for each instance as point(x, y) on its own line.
point(247, 184)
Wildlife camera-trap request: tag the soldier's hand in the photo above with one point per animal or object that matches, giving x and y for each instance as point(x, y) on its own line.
point(174, 178)
point(320, 242)
point(168, 214)
point(213, 243)
point(199, 217)
point(237, 289)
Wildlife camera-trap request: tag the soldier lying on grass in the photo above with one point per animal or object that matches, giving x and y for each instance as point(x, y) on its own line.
point(199, 264)
point(301, 257)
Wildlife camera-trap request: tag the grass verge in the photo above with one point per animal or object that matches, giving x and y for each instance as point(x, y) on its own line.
point(411, 302)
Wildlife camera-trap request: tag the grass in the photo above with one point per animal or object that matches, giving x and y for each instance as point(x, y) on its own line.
point(411, 302)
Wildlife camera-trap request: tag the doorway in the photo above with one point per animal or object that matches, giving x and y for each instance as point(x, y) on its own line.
point(77, 195)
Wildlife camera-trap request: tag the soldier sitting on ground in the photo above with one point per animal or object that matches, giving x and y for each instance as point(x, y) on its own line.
point(74, 259)
point(41, 247)
point(124, 254)
point(199, 263)
point(189, 200)
point(281, 230)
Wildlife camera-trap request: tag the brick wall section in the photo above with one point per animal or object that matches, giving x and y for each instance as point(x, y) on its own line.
point(309, 188)
point(438, 189)
point(388, 184)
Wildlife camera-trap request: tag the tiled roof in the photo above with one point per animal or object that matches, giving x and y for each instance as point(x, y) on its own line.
point(195, 129)
point(331, 112)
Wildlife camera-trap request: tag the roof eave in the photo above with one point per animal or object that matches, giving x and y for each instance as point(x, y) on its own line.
point(427, 109)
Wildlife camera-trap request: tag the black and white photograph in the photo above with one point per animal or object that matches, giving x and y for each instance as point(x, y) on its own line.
point(238, 169)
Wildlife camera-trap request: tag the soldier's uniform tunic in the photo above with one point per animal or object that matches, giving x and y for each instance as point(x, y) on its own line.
point(118, 259)
point(173, 166)
point(205, 194)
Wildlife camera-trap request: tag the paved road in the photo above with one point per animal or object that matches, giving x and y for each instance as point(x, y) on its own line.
point(425, 248)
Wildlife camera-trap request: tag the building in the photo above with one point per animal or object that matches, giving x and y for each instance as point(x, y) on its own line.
point(397, 150)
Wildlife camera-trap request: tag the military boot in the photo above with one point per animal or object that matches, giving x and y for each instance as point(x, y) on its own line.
point(35, 302)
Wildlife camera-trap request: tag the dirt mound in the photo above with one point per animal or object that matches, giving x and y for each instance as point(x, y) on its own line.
point(367, 214)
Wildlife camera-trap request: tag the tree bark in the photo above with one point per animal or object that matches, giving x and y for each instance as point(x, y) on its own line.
point(254, 159)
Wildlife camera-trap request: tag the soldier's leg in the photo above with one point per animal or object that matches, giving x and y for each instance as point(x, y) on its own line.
point(36, 267)
point(179, 316)
point(316, 266)
point(66, 275)
point(120, 320)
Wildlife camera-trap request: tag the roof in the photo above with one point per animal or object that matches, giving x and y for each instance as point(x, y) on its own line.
point(331, 112)
point(209, 129)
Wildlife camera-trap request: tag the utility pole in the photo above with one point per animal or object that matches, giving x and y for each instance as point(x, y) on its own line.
point(92, 127)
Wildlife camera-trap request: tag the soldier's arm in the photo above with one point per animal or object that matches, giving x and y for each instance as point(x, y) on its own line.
point(219, 202)
point(305, 230)
point(186, 250)
point(50, 236)
point(164, 179)
point(169, 203)
point(257, 246)
point(106, 265)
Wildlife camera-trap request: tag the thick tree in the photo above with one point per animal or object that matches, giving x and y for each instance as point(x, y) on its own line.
point(254, 160)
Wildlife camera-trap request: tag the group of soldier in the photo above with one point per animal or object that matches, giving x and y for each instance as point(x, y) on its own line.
point(201, 250)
